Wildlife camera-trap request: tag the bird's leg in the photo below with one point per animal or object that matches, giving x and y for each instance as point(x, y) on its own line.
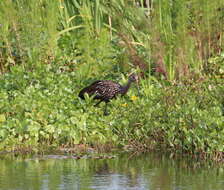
point(105, 109)
point(139, 95)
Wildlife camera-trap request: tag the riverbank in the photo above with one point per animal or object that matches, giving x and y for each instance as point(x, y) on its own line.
point(41, 109)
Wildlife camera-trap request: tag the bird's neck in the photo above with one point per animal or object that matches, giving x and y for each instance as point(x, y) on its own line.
point(125, 88)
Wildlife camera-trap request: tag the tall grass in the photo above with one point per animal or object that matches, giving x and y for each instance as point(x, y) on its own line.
point(186, 33)
point(28, 31)
point(176, 38)
point(91, 44)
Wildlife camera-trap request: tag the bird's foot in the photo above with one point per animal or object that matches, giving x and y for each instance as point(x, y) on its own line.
point(106, 113)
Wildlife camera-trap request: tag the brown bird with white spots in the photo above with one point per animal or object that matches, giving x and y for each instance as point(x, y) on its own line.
point(105, 90)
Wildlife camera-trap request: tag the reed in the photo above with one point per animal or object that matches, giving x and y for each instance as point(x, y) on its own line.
point(185, 34)
point(29, 32)
point(174, 38)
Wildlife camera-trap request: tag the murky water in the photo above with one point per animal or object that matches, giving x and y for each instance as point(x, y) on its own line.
point(144, 172)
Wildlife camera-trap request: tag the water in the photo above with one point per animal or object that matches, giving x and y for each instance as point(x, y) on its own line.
point(144, 172)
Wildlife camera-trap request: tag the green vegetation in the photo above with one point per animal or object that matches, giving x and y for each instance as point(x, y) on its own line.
point(49, 50)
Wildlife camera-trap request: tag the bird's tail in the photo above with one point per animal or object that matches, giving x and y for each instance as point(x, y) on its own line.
point(81, 93)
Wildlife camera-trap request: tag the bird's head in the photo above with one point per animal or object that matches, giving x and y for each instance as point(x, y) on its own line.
point(133, 78)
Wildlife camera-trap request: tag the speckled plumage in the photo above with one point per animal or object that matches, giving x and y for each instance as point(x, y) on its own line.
point(104, 90)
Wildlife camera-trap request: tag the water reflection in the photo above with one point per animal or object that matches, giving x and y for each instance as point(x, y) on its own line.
point(142, 172)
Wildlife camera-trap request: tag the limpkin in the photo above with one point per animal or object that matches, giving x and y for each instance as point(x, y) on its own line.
point(105, 90)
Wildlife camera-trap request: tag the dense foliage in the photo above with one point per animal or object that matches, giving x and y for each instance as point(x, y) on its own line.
point(42, 107)
point(49, 50)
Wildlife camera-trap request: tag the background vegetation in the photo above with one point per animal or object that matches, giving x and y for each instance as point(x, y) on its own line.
point(49, 50)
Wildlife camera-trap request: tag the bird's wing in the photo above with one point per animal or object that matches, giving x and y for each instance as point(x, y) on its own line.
point(101, 89)
point(107, 89)
point(90, 90)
